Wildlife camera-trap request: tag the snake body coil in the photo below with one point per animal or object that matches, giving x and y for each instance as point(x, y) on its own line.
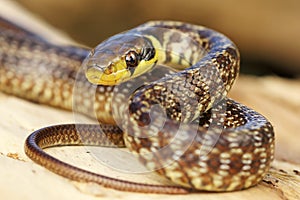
point(180, 124)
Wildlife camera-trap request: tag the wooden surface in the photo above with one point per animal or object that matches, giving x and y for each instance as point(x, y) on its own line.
point(278, 99)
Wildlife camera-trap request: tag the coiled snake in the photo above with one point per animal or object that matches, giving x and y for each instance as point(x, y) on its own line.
point(178, 123)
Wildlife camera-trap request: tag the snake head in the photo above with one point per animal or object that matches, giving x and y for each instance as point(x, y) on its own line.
point(120, 58)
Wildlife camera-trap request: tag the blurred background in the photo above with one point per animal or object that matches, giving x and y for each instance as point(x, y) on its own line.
point(266, 32)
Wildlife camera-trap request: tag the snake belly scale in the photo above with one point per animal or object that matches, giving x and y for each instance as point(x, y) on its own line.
point(206, 141)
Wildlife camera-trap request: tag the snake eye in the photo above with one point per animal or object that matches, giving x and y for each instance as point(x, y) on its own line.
point(132, 59)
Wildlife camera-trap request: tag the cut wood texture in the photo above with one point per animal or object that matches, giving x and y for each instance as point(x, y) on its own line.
point(276, 98)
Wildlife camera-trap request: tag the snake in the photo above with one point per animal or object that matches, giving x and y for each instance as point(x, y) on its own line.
point(159, 90)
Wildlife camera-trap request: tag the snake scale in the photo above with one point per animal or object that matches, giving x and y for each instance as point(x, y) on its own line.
point(177, 119)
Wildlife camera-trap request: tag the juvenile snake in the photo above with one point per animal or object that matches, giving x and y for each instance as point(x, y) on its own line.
point(180, 124)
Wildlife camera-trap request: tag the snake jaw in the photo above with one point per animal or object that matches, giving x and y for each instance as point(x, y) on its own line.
point(116, 72)
point(110, 75)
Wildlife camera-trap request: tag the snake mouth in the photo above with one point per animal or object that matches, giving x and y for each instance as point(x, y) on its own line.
point(107, 76)
point(98, 81)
